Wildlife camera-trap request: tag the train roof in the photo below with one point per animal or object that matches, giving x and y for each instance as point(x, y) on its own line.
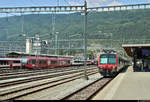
point(16, 54)
point(33, 57)
point(10, 59)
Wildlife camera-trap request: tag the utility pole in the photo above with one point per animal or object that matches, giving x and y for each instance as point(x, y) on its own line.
point(69, 46)
point(85, 41)
point(56, 43)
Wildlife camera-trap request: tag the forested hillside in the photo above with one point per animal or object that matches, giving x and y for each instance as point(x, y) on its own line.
point(123, 24)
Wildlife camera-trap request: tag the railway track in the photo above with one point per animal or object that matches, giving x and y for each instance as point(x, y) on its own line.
point(6, 83)
point(22, 71)
point(87, 92)
point(25, 74)
point(14, 93)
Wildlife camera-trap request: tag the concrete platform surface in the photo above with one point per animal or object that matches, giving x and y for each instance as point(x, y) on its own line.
point(127, 85)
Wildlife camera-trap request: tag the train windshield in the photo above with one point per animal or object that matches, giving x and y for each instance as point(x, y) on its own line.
point(108, 59)
point(24, 60)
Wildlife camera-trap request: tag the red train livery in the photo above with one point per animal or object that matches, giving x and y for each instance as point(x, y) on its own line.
point(35, 62)
point(41, 62)
point(109, 64)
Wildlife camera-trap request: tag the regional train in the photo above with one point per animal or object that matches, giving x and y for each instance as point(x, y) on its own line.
point(109, 64)
point(42, 62)
point(31, 62)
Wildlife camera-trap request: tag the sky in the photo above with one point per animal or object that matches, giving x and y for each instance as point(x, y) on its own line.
point(91, 3)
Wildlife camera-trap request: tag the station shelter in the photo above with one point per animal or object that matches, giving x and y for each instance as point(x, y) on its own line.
point(140, 54)
point(20, 54)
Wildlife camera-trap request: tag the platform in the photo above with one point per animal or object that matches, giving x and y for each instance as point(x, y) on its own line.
point(127, 85)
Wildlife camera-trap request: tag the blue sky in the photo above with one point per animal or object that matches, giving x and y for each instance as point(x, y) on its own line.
point(91, 3)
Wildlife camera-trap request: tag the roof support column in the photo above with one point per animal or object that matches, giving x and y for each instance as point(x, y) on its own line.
point(134, 59)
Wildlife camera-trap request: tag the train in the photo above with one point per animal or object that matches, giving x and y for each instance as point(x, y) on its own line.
point(43, 62)
point(32, 62)
point(109, 64)
point(81, 62)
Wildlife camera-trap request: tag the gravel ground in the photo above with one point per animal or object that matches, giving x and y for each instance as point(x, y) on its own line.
point(58, 92)
point(88, 91)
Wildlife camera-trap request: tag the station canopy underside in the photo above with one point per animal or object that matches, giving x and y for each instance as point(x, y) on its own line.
point(19, 54)
point(139, 50)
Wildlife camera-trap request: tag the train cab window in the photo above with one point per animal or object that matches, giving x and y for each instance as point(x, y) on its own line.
point(112, 59)
point(108, 59)
point(103, 59)
point(24, 60)
point(29, 62)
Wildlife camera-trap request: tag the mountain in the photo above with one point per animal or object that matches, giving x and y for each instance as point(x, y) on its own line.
point(133, 24)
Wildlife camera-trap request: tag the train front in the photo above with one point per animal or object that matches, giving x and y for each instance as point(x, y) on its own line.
point(107, 64)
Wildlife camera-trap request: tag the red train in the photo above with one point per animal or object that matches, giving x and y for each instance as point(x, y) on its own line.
point(42, 62)
point(10, 62)
point(109, 64)
point(36, 62)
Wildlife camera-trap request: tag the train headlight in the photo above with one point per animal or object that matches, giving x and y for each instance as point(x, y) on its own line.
point(113, 67)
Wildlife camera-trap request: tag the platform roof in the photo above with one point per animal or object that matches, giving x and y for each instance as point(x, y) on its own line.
point(140, 50)
point(17, 54)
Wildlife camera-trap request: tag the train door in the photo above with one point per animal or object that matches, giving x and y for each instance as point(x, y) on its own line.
point(10, 64)
point(119, 64)
point(48, 62)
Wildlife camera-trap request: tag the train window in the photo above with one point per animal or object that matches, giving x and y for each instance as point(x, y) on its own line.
point(33, 61)
point(49, 62)
point(24, 60)
point(112, 59)
point(53, 62)
point(108, 59)
point(63, 62)
point(29, 62)
point(16, 62)
point(68, 61)
point(43, 62)
point(103, 59)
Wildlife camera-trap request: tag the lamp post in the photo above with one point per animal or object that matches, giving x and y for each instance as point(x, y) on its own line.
point(85, 41)
point(56, 43)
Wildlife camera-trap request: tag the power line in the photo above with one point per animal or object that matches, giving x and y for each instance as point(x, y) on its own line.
point(57, 2)
point(67, 2)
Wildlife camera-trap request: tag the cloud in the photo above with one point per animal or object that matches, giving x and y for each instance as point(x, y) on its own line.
point(73, 3)
point(115, 3)
point(95, 3)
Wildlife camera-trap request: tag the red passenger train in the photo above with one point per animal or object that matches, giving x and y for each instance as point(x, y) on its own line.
point(42, 62)
point(109, 64)
point(35, 62)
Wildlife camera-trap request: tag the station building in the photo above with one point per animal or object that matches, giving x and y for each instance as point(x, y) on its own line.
point(140, 54)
